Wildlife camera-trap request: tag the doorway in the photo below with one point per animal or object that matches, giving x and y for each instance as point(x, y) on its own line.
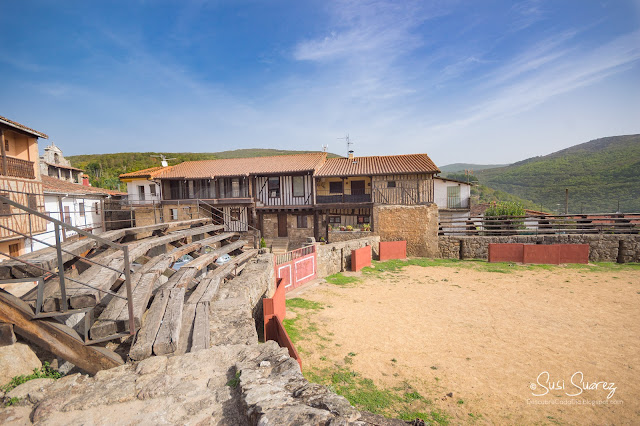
point(282, 225)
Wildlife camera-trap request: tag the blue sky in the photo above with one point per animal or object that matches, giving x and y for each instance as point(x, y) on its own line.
point(464, 81)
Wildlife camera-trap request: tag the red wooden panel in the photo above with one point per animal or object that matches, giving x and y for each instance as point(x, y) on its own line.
point(506, 253)
point(538, 253)
point(360, 258)
point(393, 250)
point(574, 253)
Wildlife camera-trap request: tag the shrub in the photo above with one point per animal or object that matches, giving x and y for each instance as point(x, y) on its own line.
point(263, 243)
point(349, 228)
point(503, 214)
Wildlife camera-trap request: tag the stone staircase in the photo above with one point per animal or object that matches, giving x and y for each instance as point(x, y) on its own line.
point(278, 245)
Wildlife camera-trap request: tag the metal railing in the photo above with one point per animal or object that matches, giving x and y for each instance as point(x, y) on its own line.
point(63, 278)
point(605, 223)
point(216, 213)
point(294, 254)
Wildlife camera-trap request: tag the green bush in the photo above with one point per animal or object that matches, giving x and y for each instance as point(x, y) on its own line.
point(503, 214)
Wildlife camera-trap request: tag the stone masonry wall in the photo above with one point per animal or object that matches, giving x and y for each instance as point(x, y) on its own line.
point(418, 225)
point(339, 236)
point(296, 235)
point(336, 257)
point(602, 248)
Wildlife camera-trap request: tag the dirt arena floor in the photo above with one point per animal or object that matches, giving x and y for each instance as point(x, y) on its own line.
point(482, 345)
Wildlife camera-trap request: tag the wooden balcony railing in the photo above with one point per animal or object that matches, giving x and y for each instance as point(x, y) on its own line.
point(16, 167)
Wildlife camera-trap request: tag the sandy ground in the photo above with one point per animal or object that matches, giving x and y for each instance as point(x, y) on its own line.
point(489, 337)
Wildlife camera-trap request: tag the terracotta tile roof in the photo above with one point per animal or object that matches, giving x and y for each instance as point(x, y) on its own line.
point(378, 165)
point(62, 166)
point(144, 173)
point(57, 186)
point(279, 164)
point(22, 127)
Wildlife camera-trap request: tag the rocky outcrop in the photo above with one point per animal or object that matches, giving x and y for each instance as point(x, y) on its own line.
point(16, 360)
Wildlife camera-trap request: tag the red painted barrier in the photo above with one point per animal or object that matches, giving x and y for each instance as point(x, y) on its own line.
point(274, 310)
point(539, 253)
point(360, 258)
point(393, 250)
point(506, 253)
point(574, 253)
point(297, 267)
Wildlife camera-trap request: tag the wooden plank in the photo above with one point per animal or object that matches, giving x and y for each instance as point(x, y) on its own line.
point(201, 328)
point(55, 337)
point(143, 346)
point(206, 259)
point(169, 333)
point(186, 329)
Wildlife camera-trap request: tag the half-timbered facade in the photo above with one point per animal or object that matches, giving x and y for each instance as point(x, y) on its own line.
point(348, 188)
point(20, 182)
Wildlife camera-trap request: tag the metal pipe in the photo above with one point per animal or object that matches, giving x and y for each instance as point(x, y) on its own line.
point(63, 291)
point(127, 283)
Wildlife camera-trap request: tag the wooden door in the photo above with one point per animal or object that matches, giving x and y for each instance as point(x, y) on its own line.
point(282, 225)
point(357, 187)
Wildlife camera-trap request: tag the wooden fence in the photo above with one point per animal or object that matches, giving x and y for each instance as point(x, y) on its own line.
point(606, 223)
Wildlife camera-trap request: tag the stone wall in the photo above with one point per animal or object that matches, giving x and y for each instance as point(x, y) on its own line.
point(336, 257)
point(236, 312)
point(339, 236)
point(602, 248)
point(418, 225)
point(296, 235)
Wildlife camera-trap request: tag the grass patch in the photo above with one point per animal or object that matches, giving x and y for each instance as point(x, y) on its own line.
point(292, 327)
point(233, 383)
point(403, 403)
point(339, 279)
point(298, 302)
point(45, 372)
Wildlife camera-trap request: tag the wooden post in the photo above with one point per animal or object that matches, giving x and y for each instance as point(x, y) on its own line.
point(64, 232)
point(316, 230)
point(102, 215)
point(4, 153)
point(342, 189)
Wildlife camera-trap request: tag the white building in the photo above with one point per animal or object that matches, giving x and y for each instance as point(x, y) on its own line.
point(453, 198)
point(78, 205)
point(141, 189)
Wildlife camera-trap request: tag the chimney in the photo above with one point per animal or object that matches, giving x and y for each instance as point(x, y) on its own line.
point(85, 181)
point(350, 154)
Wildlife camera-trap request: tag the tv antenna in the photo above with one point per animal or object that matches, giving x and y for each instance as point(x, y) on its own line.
point(324, 148)
point(349, 143)
point(163, 159)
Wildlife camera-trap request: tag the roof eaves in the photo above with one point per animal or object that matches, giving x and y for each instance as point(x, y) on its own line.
point(22, 127)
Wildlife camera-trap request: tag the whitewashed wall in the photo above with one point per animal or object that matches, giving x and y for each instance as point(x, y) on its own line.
point(440, 192)
point(91, 221)
point(133, 196)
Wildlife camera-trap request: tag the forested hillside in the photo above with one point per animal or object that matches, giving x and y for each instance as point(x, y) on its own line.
point(601, 175)
point(103, 169)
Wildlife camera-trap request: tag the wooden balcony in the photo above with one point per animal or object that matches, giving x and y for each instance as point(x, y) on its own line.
point(10, 166)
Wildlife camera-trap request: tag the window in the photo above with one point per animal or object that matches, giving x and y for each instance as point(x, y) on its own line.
point(140, 192)
point(56, 158)
point(81, 208)
point(5, 208)
point(33, 202)
point(453, 197)
point(6, 144)
point(14, 250)
point(335, 187)
point(174, 214)
point(391, 184)
point(235, 214)
point(334, 219)
point(67, 215)
point(302, 221)
point(298, 187)
point(235, 188)
point(96, 206)
point(152, 189)
point(274, 187)
point(363, 219)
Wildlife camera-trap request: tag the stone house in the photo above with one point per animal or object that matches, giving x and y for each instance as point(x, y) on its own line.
point(53, 164)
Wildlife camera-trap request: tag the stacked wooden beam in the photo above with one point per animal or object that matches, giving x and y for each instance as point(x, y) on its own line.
point(168, 326)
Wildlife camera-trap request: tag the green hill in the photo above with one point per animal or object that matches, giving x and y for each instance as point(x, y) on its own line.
point(600, 175)
point(103, 169)
point(461, 167)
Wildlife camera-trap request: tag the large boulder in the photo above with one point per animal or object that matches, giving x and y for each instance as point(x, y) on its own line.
point(16, 360)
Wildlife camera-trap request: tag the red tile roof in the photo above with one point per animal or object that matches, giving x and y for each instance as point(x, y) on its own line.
point(145, 173)
point(279, 164)
point(22, 127)
point(378, 165)
point(58, 186)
